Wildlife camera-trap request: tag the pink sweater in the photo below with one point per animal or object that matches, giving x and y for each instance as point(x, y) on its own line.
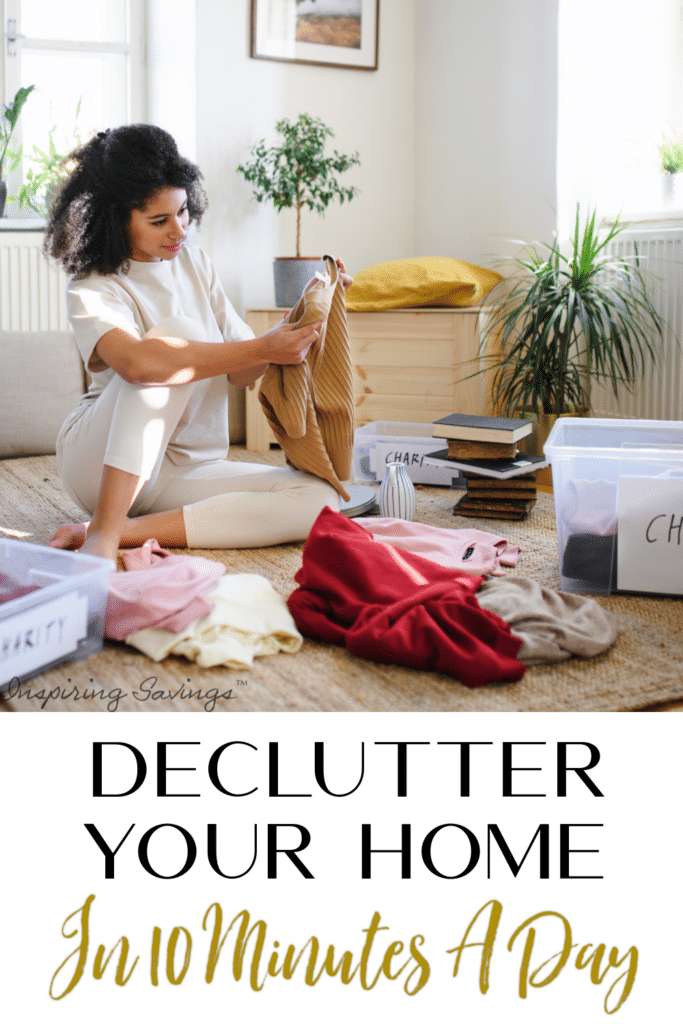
point(158, 589)
point(471, 551)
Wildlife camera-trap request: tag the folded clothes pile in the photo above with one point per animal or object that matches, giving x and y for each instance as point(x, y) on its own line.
point(249, 620)
point(158, 589)
point(188, 606)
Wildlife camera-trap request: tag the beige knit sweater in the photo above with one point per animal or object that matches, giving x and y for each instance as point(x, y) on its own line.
point(310, 406)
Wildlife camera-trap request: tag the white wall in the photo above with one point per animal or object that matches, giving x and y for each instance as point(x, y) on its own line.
point(457, 134)
point(486, 123)
point(239, 99)
point(171, 70)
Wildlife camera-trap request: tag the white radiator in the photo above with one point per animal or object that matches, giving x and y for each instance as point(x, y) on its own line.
point(660, 395)
point(32, 290)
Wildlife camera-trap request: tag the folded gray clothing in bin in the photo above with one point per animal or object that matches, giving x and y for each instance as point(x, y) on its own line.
point(551, 625)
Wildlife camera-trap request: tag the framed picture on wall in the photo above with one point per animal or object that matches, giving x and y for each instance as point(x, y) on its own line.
point(340, 33)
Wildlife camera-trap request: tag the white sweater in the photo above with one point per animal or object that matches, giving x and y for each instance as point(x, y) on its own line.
point(139, 300)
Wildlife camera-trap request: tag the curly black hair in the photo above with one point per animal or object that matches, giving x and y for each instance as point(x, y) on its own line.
point(116, 172)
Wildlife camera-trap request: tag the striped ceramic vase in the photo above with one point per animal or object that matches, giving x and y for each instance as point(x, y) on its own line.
point(397, 494)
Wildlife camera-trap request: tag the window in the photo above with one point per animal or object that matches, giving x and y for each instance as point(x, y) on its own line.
point(620, 93)
point(86, 60)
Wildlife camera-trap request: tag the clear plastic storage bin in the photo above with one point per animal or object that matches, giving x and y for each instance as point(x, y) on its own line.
point(618, 488)
point(62, 620)
point(383, 441)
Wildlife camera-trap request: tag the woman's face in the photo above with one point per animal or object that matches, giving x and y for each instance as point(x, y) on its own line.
point(157, 230)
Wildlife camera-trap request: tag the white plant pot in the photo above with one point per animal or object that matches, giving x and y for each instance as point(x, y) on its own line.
point(672, 190)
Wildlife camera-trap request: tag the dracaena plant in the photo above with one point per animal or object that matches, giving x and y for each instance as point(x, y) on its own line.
point(561, 321)
point(296, 173)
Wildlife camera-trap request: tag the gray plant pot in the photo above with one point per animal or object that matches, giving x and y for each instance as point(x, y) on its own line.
point(291, 274)
point(3, 197)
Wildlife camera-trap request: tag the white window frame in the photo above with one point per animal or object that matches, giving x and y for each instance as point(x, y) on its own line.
point(135, 51)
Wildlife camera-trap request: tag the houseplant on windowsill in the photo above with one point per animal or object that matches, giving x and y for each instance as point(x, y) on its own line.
point(671, 166)
point(293, 175)
point(8, 122)
point(42, 182)
point(563, 321)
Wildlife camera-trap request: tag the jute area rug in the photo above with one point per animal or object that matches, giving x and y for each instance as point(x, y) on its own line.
point(644, 668)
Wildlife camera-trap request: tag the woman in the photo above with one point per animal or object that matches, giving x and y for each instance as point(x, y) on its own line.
point(145, 451)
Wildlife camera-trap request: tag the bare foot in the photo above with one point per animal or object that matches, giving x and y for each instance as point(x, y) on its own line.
point(70, 537)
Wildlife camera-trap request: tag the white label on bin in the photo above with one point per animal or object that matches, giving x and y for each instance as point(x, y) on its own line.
point(650, 535)
point(412, 454)
point(41, 635)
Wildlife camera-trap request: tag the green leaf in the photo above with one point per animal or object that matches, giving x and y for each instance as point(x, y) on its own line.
point(10, 116)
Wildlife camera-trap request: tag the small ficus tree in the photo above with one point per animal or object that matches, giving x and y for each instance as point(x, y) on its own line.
point(296, 173)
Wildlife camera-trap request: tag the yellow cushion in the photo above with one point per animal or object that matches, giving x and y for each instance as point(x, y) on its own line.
point(423, 281)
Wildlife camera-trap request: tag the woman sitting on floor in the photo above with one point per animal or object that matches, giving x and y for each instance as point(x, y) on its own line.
point(145, 451)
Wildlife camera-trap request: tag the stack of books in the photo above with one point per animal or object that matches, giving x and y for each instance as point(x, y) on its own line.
point(501, 481)
point(497, 499)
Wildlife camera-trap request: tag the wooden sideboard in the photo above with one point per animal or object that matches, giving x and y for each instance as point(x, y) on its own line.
point(409, 365)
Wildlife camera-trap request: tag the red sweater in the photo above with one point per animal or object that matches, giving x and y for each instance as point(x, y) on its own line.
point(396, 607)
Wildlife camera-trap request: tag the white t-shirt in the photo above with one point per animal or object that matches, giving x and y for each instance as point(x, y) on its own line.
point(139, 300)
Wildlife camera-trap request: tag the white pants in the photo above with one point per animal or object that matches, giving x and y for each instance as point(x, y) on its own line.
point(224, 504)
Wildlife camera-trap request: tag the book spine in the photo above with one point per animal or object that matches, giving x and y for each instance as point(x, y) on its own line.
point(459, 449)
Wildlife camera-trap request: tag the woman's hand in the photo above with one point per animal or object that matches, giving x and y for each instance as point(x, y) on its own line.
point(346, 280)
point(284, 344)
point(287, 344)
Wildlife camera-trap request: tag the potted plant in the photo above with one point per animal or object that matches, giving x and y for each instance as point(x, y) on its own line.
point(8, 122)
point(296, 174)
point(563, 321)
point(671, 165)
point(42, 182)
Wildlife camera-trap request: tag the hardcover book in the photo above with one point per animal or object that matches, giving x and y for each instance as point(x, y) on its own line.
point(526, 482)
point(488, 494)
point(505, 429)
point(502, 469)
point(459, 449)
point(497, 514)
point(483, 505)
